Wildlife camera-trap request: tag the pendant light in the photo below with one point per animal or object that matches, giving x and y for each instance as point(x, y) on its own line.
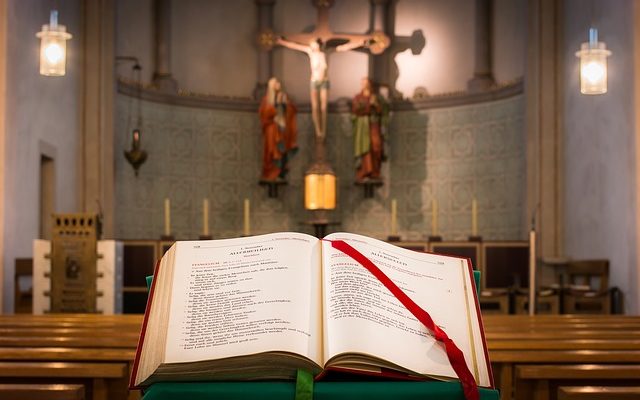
point(53, 47)
point(593, 65)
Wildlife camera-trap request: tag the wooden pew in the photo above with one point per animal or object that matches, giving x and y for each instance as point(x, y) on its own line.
point(562, 344)
point(70, 341)
point(103, 380)
point(37, 392)
point(599, 393)
point(513, 340)
point(103, 344)
point(557, 340)
point(540, 382)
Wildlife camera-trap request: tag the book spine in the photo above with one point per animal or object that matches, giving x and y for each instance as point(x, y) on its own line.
point(479, 313)
point(143, 329)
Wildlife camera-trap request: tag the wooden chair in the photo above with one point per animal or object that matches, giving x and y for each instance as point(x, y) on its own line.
point(582, 296)
point(504, 267)
point(23, 298)
point(494, 301)
point(547, 302)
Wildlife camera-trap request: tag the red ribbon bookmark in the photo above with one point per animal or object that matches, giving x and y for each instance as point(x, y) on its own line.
point(456, 358)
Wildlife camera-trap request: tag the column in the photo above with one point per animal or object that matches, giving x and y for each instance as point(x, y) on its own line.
point(379, 65)
point(482, 74)
point(96, 175)
point(162, 78)
point(265, 57)
point(543, 82)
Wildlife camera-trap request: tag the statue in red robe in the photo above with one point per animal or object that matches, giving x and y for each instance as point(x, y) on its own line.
point(279, 132)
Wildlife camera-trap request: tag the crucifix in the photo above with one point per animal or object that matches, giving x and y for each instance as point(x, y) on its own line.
point(320, 180)
point(318, 44)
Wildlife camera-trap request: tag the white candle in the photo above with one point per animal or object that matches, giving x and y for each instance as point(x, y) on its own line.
point(167, 217)
point(247, 224)
point(205, 217)
point(434, 217)
point(474, 217)
point(394, 217)
point(532, 272)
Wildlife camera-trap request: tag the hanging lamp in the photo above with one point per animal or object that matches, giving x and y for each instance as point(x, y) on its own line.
point(53, 47)
point(593, 65)
point(136, 156)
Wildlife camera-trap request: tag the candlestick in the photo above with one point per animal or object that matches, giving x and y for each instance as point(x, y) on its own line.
point(434, 217)
point(205, 217)
point(394, 217)
point(474, 217)
point(167, 217)
point(247, 224)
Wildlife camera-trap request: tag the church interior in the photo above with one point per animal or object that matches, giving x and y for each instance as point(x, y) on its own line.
point(502, 131)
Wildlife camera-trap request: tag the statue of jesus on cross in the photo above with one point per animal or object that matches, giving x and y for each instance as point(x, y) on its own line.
point(319, 84)
point(315, 45)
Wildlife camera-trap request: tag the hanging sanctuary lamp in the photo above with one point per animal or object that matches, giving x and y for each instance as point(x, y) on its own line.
point(136, 156)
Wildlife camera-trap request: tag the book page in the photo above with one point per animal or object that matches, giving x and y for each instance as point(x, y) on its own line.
point(362, 316)
point(244, 296)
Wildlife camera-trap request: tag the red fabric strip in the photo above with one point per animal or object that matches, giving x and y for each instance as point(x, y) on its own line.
point(456, 358)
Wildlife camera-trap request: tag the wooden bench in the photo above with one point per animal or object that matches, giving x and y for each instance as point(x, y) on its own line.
point(541, 381)
point(599, 393)
point(95, 350)
point(103, 380)
point(558, 339)
point(40, 392)
point(114, 341)
point(512, 340)
point(562, 344)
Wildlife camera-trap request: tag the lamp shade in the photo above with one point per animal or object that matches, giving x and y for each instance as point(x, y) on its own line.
point(320, 190)
point(593, 65)
point(53, 47)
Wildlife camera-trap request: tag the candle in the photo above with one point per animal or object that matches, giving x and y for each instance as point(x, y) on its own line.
point(247, 225)
point(167, 217)
point(394, 217)
point(434, 217)
point(532, 272)
point(205, 217)
point(474, 217)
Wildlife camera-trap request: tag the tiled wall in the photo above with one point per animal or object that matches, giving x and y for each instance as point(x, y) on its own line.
point(452, 154)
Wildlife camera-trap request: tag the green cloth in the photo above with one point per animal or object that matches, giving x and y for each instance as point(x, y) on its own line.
point(322, 390)
point(476, 277)
point(304, 385)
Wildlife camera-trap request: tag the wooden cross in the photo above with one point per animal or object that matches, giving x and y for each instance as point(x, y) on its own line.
point(377, 41)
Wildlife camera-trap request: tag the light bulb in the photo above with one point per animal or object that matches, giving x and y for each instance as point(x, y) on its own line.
point(593, 71)
point(54, 53)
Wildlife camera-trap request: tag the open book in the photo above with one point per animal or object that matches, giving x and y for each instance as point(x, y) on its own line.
point(262, 307)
